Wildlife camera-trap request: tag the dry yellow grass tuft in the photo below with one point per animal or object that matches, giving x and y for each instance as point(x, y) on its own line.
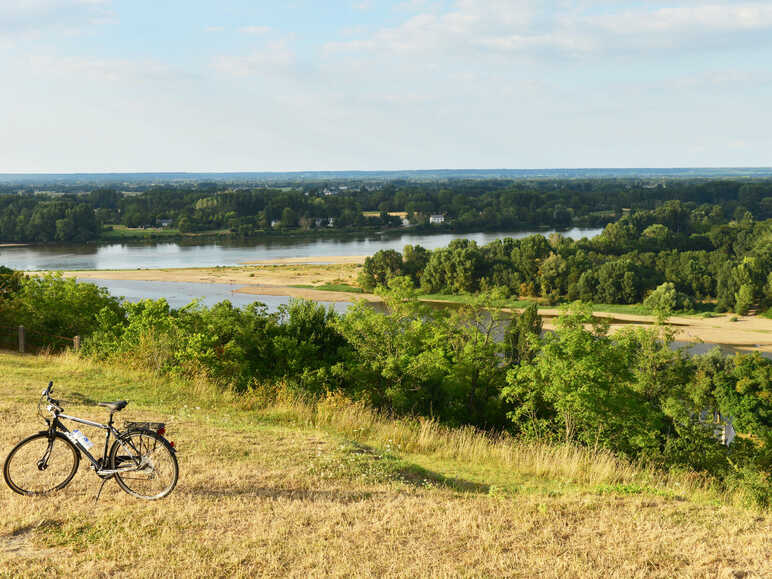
point(272, 485)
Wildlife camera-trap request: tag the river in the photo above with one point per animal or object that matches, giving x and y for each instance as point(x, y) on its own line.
point(167, 255)
point(179, 294)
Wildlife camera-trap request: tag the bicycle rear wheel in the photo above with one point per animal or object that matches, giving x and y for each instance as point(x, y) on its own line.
point(41, 464)
point(146, 463)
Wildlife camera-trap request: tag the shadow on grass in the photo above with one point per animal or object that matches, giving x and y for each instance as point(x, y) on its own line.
point(351, 461)
point(385, 466)
point(78, 398)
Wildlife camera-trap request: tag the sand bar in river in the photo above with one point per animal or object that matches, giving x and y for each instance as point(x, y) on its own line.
point(320, 259)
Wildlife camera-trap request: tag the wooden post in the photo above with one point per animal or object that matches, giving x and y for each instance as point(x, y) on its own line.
point(76, 343)
point(21, 339)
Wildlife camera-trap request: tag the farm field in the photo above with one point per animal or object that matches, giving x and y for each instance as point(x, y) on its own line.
point(272, 485)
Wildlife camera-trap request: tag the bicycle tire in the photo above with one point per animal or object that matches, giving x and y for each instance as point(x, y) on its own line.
point(155, 459)
point(23, 462)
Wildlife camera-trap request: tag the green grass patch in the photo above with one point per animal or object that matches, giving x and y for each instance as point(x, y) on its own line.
point(705, 310)
point(470, 299)
point(353, 460)
point(123, 233)
point(332, 287)
point(633, 489)
point(632, 309)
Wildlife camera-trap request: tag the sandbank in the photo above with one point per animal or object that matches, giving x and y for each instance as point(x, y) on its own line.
point(319, 259)
point(264, 275)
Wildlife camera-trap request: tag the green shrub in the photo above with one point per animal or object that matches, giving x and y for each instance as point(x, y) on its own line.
point(53, 309)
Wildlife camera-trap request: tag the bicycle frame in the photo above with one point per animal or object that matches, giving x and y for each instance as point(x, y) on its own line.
point(99, 464)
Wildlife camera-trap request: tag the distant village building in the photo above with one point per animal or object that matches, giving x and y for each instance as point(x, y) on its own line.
point(331, 222)
point(436, 219)
point(165, 222)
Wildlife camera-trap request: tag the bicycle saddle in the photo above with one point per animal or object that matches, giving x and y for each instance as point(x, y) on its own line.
point(116, 406)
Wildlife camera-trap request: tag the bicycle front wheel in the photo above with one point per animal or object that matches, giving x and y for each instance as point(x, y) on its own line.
point(146, 464)
point(41, 464)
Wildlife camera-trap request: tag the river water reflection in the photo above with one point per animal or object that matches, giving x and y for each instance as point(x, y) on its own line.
point(179, 294)
point(166, 255)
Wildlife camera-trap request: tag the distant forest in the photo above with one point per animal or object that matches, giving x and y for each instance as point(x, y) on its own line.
point(466, 205)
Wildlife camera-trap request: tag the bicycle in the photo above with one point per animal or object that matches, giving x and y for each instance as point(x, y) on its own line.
point(142, 461)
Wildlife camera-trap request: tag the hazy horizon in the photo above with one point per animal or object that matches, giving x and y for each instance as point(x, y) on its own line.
point(282, 178)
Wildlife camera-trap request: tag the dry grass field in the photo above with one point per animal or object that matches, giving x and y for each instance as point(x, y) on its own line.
point(272, 485)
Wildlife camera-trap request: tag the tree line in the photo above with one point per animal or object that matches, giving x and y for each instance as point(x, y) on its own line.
point(477, 365)
point(730, 264)
point(466, 205)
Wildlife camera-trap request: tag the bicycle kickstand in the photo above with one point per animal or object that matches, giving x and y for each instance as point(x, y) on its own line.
point(99, 493)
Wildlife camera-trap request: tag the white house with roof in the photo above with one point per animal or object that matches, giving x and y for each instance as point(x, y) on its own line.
point(436, 219)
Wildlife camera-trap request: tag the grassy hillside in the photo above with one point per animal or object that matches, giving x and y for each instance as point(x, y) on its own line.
point(273, 485)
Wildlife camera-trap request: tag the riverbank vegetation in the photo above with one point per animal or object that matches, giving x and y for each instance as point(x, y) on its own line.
point(633, 395)
point(458, 205)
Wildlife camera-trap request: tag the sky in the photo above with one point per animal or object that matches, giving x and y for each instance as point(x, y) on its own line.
point(247, 85)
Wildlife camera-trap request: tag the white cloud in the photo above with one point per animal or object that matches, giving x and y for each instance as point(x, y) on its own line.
point(413, 5)
point(363, 5)
point(525, 26)
point(19, 18)
point(257, 30)
point(273, 57)
point(54, 67)
point(701, 17)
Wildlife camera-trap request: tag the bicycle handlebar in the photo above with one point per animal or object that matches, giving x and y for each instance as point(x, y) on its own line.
point(47, 395)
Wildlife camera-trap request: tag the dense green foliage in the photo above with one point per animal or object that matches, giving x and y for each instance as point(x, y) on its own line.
point(475, 365)
point(466, 205)
point(52, 309)
point(46, 219)
point(731, 263)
